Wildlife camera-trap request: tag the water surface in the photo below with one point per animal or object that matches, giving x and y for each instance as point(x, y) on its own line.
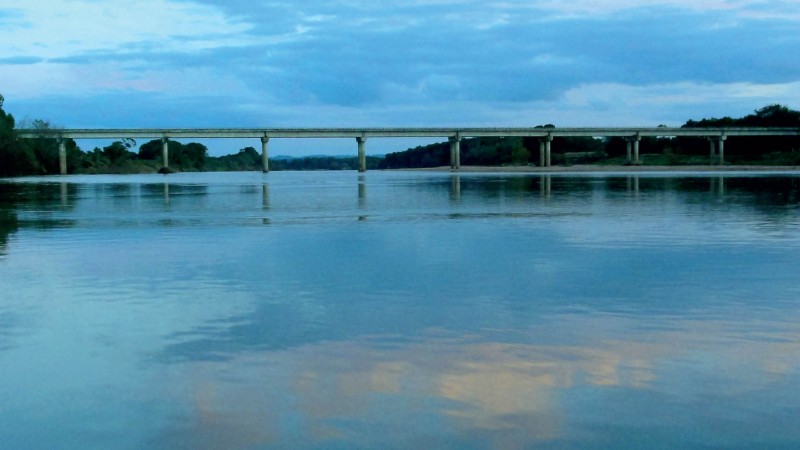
point(333, 310)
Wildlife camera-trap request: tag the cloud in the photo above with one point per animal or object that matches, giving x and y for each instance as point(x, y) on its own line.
point(61, 29)
point(334, 63)
point(20, 60)
point(674, 103)
point(593, 8)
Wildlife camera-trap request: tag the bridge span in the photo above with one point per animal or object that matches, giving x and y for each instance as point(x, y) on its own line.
point(716, 137)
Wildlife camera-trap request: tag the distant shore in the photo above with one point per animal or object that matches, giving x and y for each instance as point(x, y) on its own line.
point(614, 168)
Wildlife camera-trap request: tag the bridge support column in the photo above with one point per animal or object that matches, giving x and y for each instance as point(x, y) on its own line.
point(628, 151)
point(458, 152)
point(713, 155)
point(62, 156)
point(455, 152)
point(636, 150)
point(165, 151)
point(548, 160)
point(541, 153)
point(721, 151)
point(452, 152)
point(362, 155)
point(265, 154)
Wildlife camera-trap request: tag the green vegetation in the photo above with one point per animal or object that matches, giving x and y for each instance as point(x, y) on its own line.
point(250, 159)
point(39, 156)
point(772, 150)
point(16, 157)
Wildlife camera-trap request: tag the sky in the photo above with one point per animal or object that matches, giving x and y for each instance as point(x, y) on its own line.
point(357, 63)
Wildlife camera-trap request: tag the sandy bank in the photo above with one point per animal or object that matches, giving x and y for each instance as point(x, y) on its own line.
point(613, 168)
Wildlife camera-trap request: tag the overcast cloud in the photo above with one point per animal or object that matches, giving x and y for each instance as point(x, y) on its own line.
point(167, 63)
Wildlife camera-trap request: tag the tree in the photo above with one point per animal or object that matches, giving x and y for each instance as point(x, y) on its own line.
point(773, 116)
point(44, 147)
point(15, 157)
point(117, 152)
point(191, 156)
point(151, 150)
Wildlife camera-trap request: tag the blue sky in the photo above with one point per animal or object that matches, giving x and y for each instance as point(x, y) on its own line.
point(318, 63)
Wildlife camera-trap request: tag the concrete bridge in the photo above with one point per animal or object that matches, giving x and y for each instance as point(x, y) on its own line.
point(716, 137)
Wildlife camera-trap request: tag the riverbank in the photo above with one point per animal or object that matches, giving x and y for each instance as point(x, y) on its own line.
point(614, 168)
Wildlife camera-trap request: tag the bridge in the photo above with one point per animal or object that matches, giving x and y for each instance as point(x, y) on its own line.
point(716, 137)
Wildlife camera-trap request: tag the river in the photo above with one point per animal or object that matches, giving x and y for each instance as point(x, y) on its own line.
point(331, 310)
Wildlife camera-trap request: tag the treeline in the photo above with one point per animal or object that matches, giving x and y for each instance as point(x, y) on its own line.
point(249, 158)
point(767, 150)
point(490, 151)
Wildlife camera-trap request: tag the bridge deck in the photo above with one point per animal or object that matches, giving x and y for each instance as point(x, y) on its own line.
point(215, 133)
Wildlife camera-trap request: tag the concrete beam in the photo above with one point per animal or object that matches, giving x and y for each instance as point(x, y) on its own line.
point(404, 132)
point(255, 133)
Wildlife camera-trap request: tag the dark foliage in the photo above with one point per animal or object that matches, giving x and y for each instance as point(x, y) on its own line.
point(744, 149)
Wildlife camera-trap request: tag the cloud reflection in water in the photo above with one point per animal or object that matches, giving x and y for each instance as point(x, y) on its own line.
point(470, 391)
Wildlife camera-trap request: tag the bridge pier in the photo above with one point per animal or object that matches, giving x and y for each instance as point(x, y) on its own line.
point(452, 153)
point(632, 150)
point(165, 151)
point(455, 152)
point(628, 151)
point(717, 148)
point(458, 152)
point(541, 152)
point(265, 154)
point(362, 154)
point(713, 154)
point(62, 155)
point(545, 151)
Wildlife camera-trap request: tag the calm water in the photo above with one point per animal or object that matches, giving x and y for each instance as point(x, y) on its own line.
point(400, 310)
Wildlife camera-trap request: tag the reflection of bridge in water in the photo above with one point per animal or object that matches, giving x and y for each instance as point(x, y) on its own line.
point(517, 193)
point(542, 182)
point(633, 136)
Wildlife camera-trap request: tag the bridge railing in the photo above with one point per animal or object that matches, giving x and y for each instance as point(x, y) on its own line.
point(254, 133)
